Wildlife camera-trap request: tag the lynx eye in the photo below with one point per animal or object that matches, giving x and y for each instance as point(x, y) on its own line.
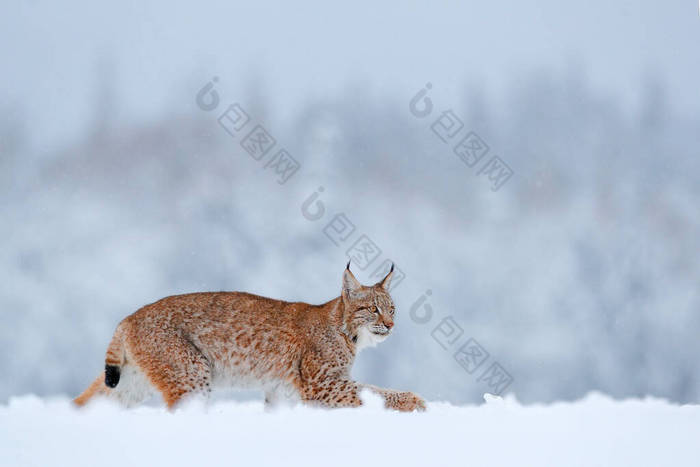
point(374, 309)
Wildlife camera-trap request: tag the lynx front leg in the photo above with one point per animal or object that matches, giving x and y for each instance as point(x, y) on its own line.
point(320, 386)
point(345, 393)
point(332, 393)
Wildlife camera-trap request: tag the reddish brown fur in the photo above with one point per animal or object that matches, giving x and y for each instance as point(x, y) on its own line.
point(184, 342)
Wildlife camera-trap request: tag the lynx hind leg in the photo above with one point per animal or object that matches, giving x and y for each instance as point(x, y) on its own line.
point(282, 393)
point(133, 387)
point(175, 367)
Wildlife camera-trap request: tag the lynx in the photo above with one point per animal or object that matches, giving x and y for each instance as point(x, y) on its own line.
point(185, 345)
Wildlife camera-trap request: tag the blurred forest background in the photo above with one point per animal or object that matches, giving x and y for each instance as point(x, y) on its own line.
point(581, 273)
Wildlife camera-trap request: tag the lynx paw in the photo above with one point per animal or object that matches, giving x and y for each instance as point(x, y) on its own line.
point(415, 402)
point(406, 402)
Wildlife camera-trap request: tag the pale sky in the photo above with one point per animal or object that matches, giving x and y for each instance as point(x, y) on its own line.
point(161, 52)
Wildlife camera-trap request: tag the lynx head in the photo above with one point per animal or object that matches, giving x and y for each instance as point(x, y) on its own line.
point(368, 310)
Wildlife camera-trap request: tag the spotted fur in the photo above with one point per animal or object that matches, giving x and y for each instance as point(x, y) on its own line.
point(184, 345)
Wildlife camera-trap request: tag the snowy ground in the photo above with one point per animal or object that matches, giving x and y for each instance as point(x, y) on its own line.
point(593, 431)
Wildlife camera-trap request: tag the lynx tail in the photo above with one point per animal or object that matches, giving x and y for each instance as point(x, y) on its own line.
point(115, 358)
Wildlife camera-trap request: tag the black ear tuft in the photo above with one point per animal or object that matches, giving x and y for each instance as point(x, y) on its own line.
point(384, 283)
point(350, 284)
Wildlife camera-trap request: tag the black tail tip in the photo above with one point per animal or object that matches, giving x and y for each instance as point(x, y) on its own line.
point(112, 374)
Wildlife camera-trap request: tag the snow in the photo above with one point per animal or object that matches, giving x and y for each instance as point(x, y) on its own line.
point(596, 430)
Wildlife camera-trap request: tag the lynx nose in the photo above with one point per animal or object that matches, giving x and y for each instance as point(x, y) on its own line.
point(389, 325)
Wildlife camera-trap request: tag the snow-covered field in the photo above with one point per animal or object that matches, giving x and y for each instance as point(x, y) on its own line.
point(593, 431)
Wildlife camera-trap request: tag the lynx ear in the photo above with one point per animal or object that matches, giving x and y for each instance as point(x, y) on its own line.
point(386, 282)
point(350, 284)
